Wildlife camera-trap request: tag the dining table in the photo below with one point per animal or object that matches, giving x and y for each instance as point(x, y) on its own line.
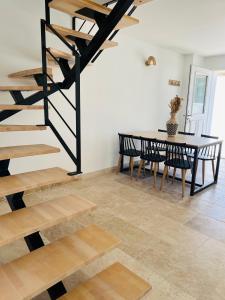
point(196, 143)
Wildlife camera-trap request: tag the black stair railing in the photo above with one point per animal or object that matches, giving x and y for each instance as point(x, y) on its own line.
point(71, 75)
point(83, 55)
point(76, 158)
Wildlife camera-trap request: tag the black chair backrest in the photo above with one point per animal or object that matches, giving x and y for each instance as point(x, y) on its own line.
point(126, 143)
point(186, 133)
point(162, 130)
point(179, 153)
point(209, 151)
point(150, 147)
point(210, 136)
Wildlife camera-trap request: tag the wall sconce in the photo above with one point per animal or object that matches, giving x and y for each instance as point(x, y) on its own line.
point(151, 61)
point(175, 82)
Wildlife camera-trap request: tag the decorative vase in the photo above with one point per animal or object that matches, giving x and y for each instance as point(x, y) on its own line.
point(172, 125)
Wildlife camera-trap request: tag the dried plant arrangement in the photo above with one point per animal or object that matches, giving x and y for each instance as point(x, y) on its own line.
point(172, 126)
point(175, 104)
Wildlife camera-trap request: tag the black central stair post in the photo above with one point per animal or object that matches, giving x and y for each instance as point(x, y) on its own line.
point(78, 112)
point(44, 71)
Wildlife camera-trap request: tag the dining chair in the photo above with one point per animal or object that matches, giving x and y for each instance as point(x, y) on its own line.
point(150, 152)
point(177, 158)
point(208, 153)
point(127, 148)
point(162, 146)
point(186, 133)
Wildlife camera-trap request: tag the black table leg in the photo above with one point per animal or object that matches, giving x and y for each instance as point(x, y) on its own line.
point(194, 173)
point(218, 163)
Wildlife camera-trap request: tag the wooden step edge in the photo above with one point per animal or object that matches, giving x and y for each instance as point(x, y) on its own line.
point(105, 45)
point(26, 151)
point(30, 73)
point(59, 54)
point(141, 2)
point(116, 281)
point(21, 107)
point(72, 9)
point(9, 128)
point(30, 275)
point(23, 222)
point(22, 88)
point(33, 180)
point(66, 33)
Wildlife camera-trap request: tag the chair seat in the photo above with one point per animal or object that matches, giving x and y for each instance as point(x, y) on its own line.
point(153, 157)
point(203, 157)
point(131, 153)
point(179, 164)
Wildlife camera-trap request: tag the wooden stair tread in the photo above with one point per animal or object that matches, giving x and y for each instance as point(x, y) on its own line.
point(72, 6)
point(30, 73)
point(66, 32)
point(7, 128)
point(26, 150)
point(31, 180)
point(116, 282)
point(20, 223)
point(20, 107)
point(28, 276)
point(26, 88)
point(59, 54)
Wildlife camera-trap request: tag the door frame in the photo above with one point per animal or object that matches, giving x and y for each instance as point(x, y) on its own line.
point(210, 96)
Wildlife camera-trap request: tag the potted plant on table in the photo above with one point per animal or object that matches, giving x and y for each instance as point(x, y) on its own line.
point(172, 125)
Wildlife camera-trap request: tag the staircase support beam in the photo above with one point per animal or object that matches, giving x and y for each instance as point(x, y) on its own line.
point(101, 36)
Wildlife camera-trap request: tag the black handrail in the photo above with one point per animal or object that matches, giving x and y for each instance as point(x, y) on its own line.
point(61, 117)
point(57, 86)
point(82, 25)
point(60, 90)
point(58, 35)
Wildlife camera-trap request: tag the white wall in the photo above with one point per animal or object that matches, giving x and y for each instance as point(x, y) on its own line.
point(216, 63)
point(118, 93)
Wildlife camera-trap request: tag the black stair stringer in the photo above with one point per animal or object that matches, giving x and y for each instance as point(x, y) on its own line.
point(27, 101)
point(101, 36)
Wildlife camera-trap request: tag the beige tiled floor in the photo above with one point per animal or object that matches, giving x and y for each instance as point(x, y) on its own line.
point(177, 244)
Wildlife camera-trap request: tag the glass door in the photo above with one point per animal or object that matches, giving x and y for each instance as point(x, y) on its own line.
point(198, 100)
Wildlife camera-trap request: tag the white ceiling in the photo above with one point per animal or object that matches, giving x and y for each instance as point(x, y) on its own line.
point(189, 26)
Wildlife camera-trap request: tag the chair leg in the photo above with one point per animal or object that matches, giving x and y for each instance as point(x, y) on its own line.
point(119, 163)
point(155, 173)
point(151, 168)
point(144, 168)
point(163, 177)
point(183, 181)
point(213, 168)
point(174, 174)
point(131, 166)
point(203, 172)
point(140, 168)
point(167, 174)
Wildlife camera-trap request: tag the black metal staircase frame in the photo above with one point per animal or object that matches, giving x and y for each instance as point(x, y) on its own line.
point(71, 75)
